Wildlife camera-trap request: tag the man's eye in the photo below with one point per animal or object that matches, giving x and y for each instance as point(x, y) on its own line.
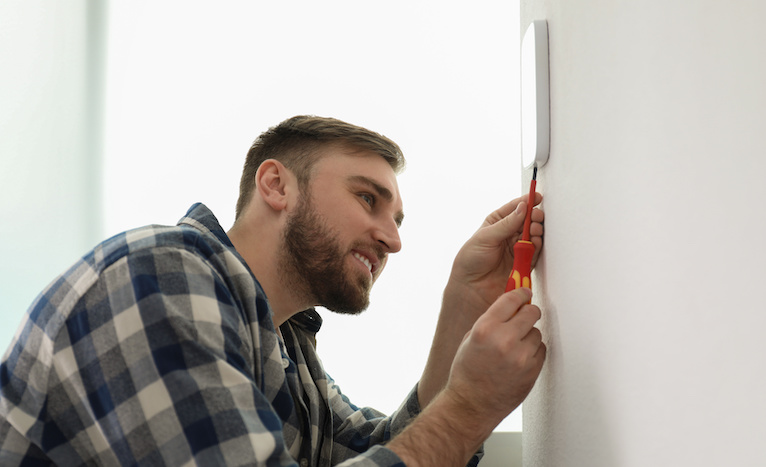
point(368, 198)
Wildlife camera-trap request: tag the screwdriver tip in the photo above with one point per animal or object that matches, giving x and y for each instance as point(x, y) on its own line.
point(534, 173)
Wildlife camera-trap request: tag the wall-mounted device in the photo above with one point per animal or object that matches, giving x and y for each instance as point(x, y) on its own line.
point(535, 107)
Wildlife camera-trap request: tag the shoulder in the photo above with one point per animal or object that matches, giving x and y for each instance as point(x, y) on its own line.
point(152, 260)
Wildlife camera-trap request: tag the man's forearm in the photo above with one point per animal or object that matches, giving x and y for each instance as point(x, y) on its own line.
point(458, 314)
point(490, 373)
point(444, 434)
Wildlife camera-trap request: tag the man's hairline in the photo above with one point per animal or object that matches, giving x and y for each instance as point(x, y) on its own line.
point(320, 152)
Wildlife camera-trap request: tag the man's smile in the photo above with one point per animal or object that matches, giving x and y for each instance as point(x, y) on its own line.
point(364, 260)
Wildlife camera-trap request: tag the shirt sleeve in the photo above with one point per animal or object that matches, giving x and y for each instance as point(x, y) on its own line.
point(158, 366)
point(359, 435)
point(367, 430)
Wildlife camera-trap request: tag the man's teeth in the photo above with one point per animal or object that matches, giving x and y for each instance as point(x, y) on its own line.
point(364, 260)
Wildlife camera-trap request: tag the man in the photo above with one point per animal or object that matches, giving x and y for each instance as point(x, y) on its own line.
point(188, 345)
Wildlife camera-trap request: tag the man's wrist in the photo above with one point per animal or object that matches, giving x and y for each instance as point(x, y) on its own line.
point(447, 432)
point(464, 297)
point(457, 316)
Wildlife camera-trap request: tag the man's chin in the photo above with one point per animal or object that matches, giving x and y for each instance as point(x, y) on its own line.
point(351, 305)
point(347, 309)
point(350, 298)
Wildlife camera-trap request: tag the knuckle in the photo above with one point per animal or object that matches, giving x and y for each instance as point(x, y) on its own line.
point(533, 311)
point(482, 331)
point(529, 313)
point(517, 297)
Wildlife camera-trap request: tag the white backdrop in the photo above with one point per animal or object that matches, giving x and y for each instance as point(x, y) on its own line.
point(190, 84)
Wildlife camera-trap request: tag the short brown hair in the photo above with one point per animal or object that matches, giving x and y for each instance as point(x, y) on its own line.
point(296, 142)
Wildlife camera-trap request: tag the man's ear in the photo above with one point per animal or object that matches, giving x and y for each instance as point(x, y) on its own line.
point(274, 183)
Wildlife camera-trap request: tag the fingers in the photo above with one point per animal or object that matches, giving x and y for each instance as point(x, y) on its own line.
point(512, 312)
point(535, 340)
point(536, 227)
point(538, 198)
point(509, 219)
point(503, 353)
point(510, 207)
point(502, 212)
point(511, 224)
point(538, 217)
point(505, 228)
point(522, 324)
point(511, 304)
point(508, 304)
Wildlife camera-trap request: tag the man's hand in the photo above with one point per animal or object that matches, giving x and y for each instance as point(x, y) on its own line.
point(479, 275)
point(483, 263)
point(496, 366)
point(500, 358)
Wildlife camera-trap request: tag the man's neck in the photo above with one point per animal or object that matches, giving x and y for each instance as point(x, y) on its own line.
point(262, 257)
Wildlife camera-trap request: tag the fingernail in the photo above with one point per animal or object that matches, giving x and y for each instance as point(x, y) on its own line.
point(520, 208)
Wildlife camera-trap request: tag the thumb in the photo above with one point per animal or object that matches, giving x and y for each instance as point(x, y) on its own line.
point(508, 304)
point(506, 227)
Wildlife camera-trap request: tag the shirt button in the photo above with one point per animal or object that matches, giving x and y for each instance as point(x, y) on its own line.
point(304, 462)
point(285, 363)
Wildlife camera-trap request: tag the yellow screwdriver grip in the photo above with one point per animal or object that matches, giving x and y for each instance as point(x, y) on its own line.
point(521, 274)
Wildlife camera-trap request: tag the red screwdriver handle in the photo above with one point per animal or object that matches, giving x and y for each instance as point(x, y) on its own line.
point(524, 250)
point(521, 274)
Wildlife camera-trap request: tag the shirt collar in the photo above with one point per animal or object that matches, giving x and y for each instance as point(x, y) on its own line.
point(309, 320)
point(202, 218)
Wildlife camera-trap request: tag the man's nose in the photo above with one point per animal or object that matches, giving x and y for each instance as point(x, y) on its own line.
point(388, 235)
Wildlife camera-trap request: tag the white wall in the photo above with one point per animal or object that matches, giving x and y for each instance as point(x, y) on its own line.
point(50, 91)
point(652, 276)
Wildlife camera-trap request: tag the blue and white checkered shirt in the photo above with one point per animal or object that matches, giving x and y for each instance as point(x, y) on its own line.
point(158, 348)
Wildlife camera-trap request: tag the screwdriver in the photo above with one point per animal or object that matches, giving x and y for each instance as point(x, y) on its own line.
point(524, 250)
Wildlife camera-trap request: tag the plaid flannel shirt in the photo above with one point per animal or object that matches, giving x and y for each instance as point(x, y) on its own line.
point(158, 348)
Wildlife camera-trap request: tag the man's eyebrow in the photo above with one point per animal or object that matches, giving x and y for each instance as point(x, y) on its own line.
point(381, 191)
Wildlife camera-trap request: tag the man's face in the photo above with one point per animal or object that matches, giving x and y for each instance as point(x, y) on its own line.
point(337, 238)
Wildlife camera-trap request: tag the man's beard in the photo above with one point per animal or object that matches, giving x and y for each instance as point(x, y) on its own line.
point(313, 263)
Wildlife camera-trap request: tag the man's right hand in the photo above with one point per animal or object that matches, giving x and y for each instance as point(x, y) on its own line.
point(500, 358)
point(496, 366)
